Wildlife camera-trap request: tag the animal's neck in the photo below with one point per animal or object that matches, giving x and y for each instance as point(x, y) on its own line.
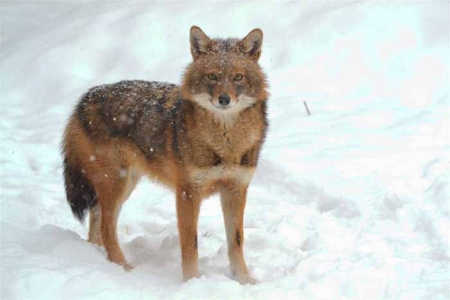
point(224, 121)
point(216, 121)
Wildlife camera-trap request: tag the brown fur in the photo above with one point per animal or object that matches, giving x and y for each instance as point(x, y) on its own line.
point(178, 136)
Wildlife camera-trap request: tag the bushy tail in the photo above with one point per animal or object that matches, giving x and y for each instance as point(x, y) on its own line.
point(79, 191)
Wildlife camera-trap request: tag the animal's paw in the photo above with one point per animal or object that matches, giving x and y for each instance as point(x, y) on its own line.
point(246, 279)
point(188, 277)
point(127, 267)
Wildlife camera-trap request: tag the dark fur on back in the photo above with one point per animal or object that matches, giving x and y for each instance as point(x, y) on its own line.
point(137, 110)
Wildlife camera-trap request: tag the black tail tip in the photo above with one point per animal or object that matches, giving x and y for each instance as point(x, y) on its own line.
point(79, 191)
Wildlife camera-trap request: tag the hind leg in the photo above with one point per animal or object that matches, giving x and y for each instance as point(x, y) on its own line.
point(112, 193)
point(110, 205)
point(95, 218)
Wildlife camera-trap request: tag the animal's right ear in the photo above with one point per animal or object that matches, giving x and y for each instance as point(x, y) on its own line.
point(200, 42)
point(252, 43)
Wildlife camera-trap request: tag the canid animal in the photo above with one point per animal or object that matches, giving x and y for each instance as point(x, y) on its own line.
point(200, 138)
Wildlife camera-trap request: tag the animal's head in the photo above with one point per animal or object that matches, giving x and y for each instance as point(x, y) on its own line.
point(225, 76)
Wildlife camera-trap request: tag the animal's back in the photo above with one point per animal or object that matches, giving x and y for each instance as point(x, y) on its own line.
point(137, 110)
point(114, 127)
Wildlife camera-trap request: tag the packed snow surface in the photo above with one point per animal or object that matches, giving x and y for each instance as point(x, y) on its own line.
point(351, 202)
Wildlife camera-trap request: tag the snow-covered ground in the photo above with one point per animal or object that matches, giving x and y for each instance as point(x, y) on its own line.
point(351, 202)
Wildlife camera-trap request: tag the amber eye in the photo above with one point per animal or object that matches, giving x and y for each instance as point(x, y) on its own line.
point(211, 76)
point(238, 77)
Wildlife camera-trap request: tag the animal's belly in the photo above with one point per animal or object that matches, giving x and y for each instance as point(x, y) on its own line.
point(220, 173)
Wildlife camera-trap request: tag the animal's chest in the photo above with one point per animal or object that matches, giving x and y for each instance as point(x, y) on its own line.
point(219, 155)
point(228, 147)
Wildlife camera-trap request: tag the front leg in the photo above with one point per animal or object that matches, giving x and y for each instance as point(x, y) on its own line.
point(188, 206)
point(233, 200)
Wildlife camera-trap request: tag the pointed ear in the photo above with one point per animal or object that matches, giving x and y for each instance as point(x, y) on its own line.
point(200, 42)
point(251, 45)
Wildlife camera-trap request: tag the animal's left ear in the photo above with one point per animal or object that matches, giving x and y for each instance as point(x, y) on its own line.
point(251, 45)
point(200, 42)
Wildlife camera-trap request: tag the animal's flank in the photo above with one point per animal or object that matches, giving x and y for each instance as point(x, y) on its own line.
point(176, 114)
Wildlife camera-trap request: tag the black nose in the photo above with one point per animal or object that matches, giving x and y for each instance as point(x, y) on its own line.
point(224, 100)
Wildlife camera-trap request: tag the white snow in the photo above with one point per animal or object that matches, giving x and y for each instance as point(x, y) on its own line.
point(351, 202)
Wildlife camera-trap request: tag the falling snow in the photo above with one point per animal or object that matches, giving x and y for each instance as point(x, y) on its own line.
point(351, 202)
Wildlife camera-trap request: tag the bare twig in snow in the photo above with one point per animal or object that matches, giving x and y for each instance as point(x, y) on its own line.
point(307, 109)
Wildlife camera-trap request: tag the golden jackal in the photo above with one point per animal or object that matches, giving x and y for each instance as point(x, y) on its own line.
point(200, 138)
